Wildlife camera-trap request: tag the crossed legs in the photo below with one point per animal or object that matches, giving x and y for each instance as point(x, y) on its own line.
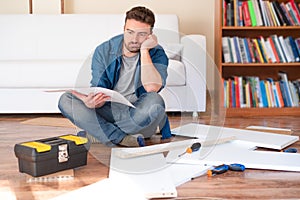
point(113, 121)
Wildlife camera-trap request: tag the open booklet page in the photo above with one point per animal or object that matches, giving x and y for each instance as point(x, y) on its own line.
point(114, 96)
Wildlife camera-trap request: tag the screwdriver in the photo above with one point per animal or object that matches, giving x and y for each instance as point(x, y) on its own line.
point(218, 170)
point(195, 147)
point(224, 168)
point(290, 150)
point(236, 167)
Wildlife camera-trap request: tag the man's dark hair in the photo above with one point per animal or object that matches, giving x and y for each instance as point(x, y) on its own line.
point(141, 14)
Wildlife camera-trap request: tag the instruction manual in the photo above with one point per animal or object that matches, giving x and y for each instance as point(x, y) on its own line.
point(114, 96)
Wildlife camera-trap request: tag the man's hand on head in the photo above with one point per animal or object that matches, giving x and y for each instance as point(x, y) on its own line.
point(92, 100)
point(149, 43)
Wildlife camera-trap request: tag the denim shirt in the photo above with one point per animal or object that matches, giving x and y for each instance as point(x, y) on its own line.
point(107, 61)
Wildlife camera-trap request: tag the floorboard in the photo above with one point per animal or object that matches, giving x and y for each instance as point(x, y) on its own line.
point(250, 184)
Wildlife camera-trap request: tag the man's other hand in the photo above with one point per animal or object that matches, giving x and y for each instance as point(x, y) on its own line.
point(92, 100)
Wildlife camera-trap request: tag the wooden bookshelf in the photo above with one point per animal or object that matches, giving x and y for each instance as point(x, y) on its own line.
point(262, 70)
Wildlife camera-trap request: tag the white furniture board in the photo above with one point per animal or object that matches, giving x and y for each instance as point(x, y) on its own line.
point(182, 173)
point(259, 139)
point(269, 128)
point(104, 189)
point(149, 174)
point(239, 152)
point(159, 148)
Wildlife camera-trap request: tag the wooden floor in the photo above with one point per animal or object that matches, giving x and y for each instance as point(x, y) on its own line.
point(250, 184)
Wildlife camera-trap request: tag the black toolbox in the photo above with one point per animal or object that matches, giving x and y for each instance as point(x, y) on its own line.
point(50, 155)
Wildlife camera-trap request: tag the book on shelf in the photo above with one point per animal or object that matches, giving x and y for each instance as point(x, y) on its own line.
point(281, 103)
point(289, 49)
point(251, 92)
point(239, 13)
point(278, 48)
point(295, 96)
point(257, 12)
point(224, 12)
point(263, 13)
point(252, 13)
point(286, 54)
point(287, 14)
point(272, 44)
point(293, 13)
point(271, 49)
point(262, 46)
point(294, 49)
point(260, 13)
point(243, 49)
point(269, 93)
point(274, 93)
point(226, 50)
point(281, 15)
point(237, 49)
point(246, 14)
point(264, 94)
point(233, 50)
point(297, 42)
point(270, 52)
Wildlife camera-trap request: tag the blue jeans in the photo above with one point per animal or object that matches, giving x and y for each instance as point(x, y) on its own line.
point(113, 121)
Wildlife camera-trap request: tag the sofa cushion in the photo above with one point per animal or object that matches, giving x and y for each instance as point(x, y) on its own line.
point(176, 73)
point(39, 74)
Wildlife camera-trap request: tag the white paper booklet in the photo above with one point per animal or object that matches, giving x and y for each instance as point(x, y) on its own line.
point(114, 96)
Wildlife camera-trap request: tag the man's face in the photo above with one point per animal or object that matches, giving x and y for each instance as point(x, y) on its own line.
point(135, 33)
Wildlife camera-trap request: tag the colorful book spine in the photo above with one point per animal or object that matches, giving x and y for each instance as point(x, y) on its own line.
point(281, 103)
point(277, 60)
point(294, 48)
point(247, 50)
point(250, 91)
point(257, 48)
point(272, 14)
point(287, 14)
point(263, 13)
point(252, 13)
point(297, 43)
point(246, 14)
point(226, 50)
point(257, 13)
point(237, 49)
point(264, 94)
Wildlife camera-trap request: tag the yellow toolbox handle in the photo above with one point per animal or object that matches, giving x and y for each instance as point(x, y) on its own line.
point(40, 147)
point(78, 140)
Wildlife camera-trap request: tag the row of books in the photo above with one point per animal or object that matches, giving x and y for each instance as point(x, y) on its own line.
point(260, 13)
point(273, 49)
point(251, 92)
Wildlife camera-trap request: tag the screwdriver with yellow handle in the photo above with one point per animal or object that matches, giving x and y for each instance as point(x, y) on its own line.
point(195, 147)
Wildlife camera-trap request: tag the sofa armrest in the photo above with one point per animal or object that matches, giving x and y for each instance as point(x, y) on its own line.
point(194, 59)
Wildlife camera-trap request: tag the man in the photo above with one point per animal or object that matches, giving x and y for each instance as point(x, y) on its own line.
point(134, 65)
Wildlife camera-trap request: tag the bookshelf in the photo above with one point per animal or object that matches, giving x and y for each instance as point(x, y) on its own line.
point(261, 70)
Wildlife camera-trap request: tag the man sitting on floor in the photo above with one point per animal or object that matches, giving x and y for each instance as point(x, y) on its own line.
point(134, 65)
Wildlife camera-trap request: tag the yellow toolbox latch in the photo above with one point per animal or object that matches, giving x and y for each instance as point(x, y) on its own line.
point(40, 147)
point(77, 139)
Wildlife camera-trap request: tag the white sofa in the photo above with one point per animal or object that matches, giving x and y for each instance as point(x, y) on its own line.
point(45, 52)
